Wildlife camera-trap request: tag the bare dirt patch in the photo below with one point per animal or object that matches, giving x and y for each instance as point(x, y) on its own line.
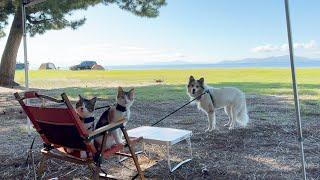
point(266, 149)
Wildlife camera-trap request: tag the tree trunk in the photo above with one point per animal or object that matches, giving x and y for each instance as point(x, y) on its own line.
point(9, 56)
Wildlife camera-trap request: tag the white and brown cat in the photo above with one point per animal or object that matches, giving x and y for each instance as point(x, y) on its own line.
point(115, 113)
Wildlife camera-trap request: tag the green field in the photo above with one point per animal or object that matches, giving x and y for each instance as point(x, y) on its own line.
point(263, 81)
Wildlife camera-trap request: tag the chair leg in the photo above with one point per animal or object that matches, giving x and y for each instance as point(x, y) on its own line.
point(42, 166)
point(133, 154)
point(95, 171)
point(33, 165)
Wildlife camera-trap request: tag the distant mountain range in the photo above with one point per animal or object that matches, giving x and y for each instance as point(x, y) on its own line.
point(279, 61)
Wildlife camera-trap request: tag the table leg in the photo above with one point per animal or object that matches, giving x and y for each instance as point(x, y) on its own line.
point(190, 147)
point(143, 146)
point(148, 154)
point(121, 159)
point(188, 140)
point(168, 157)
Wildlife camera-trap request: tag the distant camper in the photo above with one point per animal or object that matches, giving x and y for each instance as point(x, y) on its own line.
point(19, 66)
point(47, 66)
point(86, 65)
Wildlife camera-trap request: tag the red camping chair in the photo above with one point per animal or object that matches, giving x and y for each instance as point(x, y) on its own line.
point(60, 128)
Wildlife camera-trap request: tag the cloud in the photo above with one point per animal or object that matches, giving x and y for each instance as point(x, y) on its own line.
point(265, 48)
point(284, 47)
point(309, 45)
point(117, 54)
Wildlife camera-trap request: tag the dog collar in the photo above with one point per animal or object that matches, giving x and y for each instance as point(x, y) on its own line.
point(121, 108)
point(87, 120)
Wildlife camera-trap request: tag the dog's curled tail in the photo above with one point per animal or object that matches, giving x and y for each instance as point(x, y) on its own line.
point(242, 116)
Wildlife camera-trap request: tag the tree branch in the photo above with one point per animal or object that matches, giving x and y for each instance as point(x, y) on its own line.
point(35, 22)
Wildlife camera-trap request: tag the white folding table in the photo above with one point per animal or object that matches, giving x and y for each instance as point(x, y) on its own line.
point(163, 136)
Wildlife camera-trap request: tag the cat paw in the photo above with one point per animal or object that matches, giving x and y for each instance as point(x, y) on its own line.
point(83, 154)
point(69, 150)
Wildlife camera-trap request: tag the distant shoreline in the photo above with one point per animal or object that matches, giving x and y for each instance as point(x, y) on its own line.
point(196, 68)
point(269, 62)
point(199, 67)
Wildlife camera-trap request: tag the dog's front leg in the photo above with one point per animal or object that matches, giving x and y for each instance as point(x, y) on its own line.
point(227, 109)
point(211, 120)
point(233, 118)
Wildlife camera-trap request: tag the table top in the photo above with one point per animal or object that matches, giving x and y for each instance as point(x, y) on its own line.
point(160, 135)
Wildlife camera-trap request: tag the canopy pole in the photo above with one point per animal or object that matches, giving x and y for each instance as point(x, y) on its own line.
point(26, 63)
point(295, 90)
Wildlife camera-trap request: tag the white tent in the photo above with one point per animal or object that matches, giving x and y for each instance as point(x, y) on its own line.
point(27, 3)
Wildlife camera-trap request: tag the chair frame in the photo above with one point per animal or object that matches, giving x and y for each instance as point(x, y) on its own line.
point(94, 163)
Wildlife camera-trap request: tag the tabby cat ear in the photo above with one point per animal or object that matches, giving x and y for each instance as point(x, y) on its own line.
point(120, 91)
point(93, 100)
point(131, 93)
point(80, 97)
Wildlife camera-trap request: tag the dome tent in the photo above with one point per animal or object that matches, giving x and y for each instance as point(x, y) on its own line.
point(97, 67)
point(46, 66)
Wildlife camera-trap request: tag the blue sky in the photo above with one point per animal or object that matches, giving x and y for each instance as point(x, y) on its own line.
point(189, 30)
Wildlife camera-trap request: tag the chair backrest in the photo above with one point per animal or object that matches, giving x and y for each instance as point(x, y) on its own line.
point(58, 126)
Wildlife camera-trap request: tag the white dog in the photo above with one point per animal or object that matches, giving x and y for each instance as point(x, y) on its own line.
point(231, 99)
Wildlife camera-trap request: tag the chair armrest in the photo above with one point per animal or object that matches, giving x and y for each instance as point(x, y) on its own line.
point(103, 129)
point(34, 94)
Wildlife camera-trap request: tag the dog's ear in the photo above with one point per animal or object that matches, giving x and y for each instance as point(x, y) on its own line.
point(191, 79)
point(201, 80)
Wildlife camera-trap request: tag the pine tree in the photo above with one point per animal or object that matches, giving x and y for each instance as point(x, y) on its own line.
point(54, 15)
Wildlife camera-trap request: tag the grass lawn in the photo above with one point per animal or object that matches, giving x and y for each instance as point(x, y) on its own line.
point(264, 81)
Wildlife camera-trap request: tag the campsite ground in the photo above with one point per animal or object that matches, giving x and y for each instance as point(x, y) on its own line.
point(266, 149)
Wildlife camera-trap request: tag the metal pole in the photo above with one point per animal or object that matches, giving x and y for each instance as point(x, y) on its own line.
point(26, 63)
point(295, 90)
